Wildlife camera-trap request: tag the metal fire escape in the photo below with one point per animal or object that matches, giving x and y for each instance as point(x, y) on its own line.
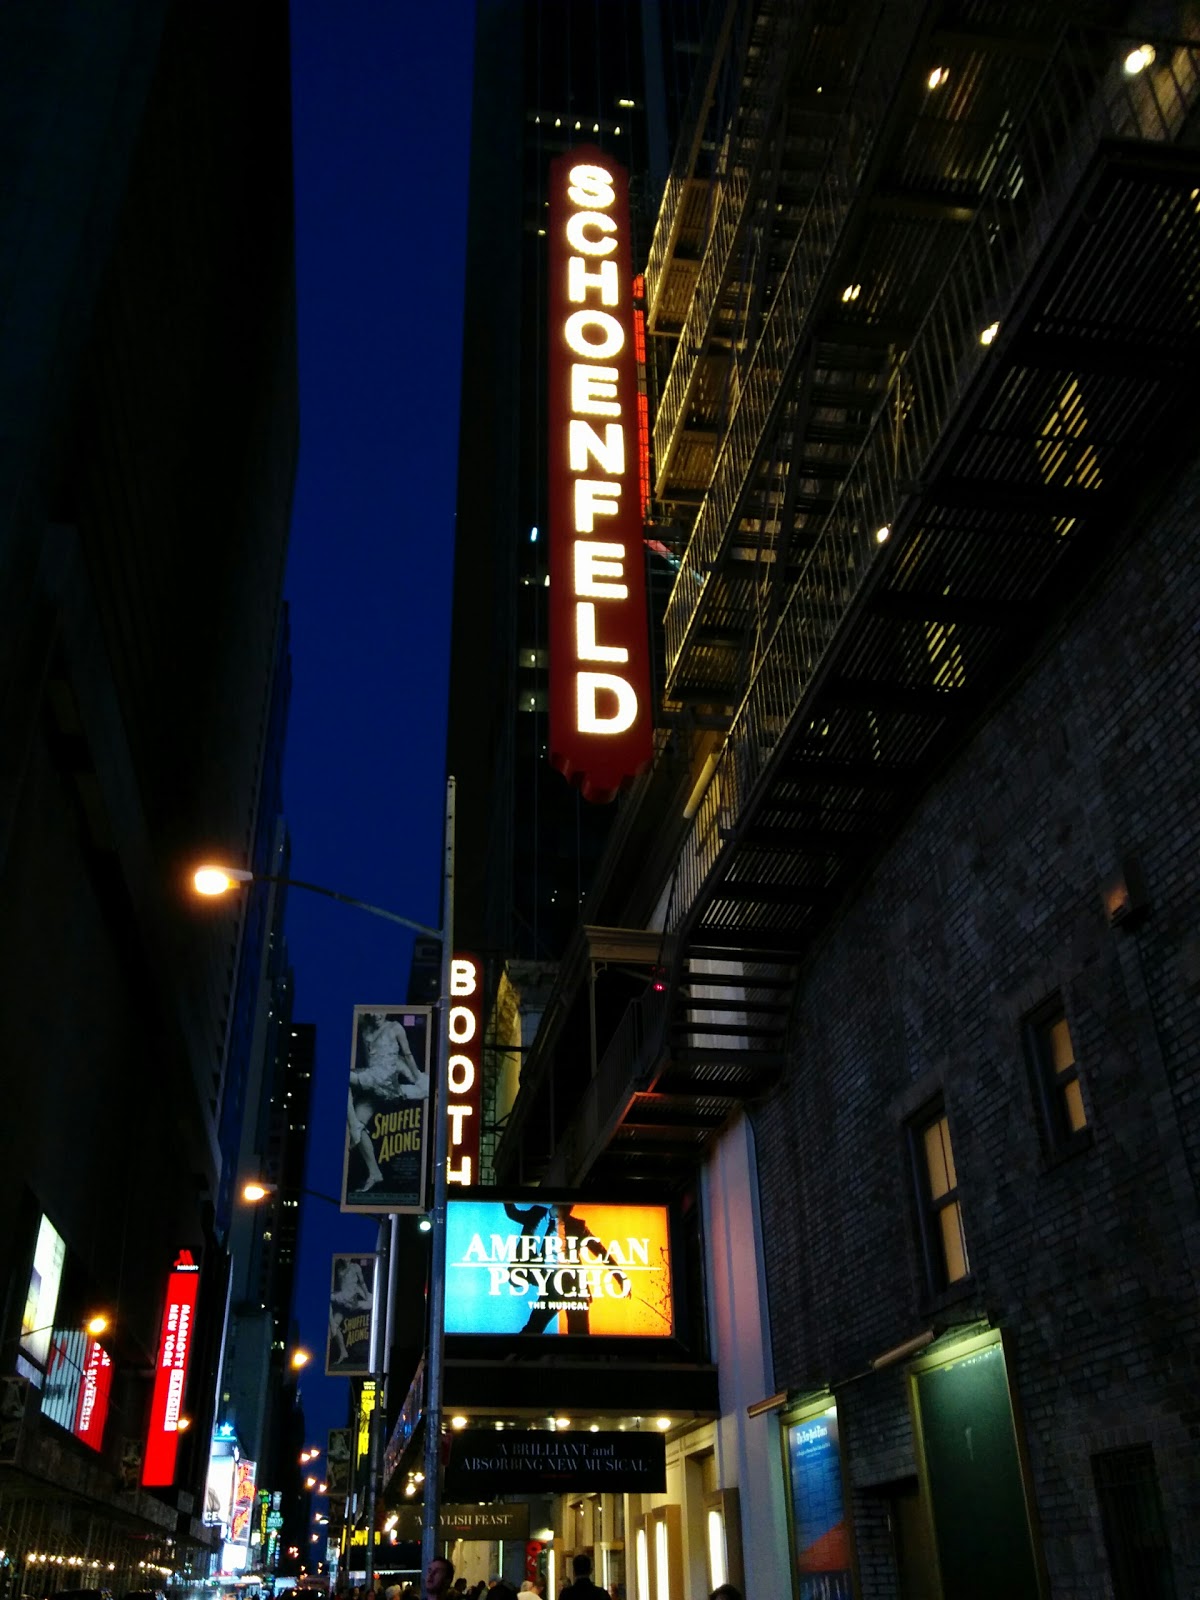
point(939, 333)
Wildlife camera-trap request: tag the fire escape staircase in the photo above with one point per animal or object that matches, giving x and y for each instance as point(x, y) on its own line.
point(1048, 381)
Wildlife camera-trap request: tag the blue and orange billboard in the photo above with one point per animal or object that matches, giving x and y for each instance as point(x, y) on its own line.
point(541, 1267)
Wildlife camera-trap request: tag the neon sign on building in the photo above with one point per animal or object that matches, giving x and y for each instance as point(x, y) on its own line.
point(170, 1375)
point(601, 727)
point(463, 1071)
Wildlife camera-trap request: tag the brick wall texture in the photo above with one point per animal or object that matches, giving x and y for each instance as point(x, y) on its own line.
point(988, 903)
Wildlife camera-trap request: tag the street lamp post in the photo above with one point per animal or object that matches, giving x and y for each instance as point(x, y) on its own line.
point(219, 880)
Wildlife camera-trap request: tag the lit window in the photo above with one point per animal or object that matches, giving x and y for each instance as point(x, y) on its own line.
point(1055, 1074)
point(942, 1236)
point(531, 700)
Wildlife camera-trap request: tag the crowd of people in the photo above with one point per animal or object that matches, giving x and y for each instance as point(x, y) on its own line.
point(441, 1584)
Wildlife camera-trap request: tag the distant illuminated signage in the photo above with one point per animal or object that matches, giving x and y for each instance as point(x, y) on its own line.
point(243, 1501)
point(41, 1299)
point(388, 1109)
point(218, 1493)
point(600, 715)
point(170, 1376)
point(60, 1396)
point(582, 1269)
point(78, 1380)
point(821, 1545)
point(93, 1395)
point(464, 1070)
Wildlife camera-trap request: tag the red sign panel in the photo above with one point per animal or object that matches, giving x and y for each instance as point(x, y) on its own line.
point(464, 1103)
point(92, 1412)
point(601, 727)
point(170, 1377)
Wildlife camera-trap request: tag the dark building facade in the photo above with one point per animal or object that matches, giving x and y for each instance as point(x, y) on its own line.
point(889, 962)
point(147, 448)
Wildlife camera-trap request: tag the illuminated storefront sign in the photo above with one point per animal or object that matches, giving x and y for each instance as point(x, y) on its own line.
point(820, 1541)
point(93, 1395)
point(77, 1385)
point(484, 1464)
point(600, 714)
point(366, 1404)
point(463, 1071)
point(170, 1378)
point(583, 1269)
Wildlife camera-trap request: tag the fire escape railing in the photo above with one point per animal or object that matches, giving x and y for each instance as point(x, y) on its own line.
point(713, 48)
point(738, 185)
point(1070, 114)
point(767, 382)
point(629, 1058)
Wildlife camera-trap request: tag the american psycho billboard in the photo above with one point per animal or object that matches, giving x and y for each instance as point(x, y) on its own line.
point(388, 1109)
point(538, 1267)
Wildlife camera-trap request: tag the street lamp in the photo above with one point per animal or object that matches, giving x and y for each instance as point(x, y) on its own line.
point(213, 880)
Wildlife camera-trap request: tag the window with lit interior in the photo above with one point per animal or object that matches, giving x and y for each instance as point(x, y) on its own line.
point(936, 1179)
point(1056, 1084)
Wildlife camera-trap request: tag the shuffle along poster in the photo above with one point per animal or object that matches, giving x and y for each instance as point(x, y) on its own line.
point(351, 1302)
point(387, 1116)
point(547, 1268)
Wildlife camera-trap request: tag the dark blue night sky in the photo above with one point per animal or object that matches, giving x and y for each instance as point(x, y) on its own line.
point(381, 111)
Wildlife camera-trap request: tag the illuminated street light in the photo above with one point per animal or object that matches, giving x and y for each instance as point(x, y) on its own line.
point(214, 879)
point(299, 1358)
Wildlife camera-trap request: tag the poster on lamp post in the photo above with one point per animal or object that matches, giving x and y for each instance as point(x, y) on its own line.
point(351, 1306)
point(387, 1114)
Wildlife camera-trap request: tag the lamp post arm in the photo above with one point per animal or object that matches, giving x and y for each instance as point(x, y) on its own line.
point(346, 900)
point(436, 1343)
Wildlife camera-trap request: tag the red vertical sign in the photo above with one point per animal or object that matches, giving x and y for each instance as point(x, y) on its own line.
point(170, 1377)
point(464, 1102)
point(601, 726)
point(92, 1411)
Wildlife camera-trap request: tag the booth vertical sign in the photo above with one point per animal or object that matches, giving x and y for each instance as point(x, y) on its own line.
point(601, 725)
point(464, 1102)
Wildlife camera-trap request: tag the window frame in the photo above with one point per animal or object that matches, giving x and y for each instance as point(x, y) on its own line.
point(938, 1283)
point(1059, 1139)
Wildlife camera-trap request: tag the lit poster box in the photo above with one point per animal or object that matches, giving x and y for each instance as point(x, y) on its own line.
point(582, 1269)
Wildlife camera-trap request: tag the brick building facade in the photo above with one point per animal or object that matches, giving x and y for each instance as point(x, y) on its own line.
point(988, 905)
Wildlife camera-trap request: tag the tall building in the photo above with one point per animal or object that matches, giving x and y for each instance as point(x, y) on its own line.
point(885, 970)
point(147, 449)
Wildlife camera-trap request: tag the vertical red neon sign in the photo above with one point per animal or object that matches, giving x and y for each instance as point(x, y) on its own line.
point(170, 1376)
point(94, 1388)
point(464, 1070)
point(601, 723)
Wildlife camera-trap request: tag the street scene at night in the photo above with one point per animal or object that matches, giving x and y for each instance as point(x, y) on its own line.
point(601, 980)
